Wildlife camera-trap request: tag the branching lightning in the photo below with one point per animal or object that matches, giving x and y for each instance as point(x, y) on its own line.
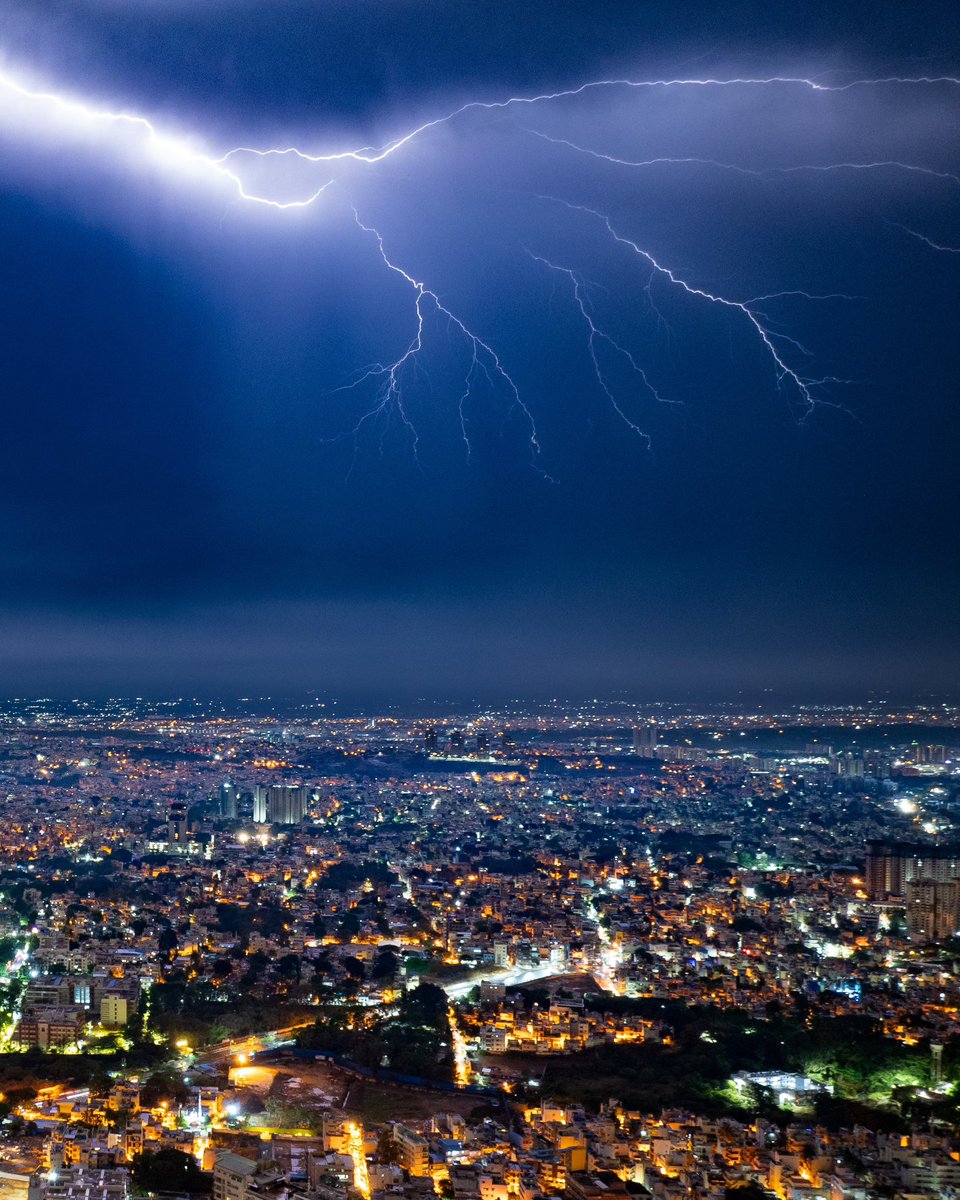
point(174, 150)
point(928, 241)
point(597, 337)
point(754, 172)
point(483, 368)
point(805, 386)
point(482, 359)
point(370, 154)
point(169, 151)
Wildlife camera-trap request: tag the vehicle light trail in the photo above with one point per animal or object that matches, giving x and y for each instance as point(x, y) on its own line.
point(462, 1070)
point(354, 1145)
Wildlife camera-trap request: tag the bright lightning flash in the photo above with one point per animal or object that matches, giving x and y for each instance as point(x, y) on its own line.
point(63, 116)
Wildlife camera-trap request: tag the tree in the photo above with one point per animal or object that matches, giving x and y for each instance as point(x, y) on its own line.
point(167, 941)
point(427, 1004)
point(387, 1147)
point(748, 1190)
point(170, 1171)
point(349, 927)
point(385, 965)
point(99, 1083)
point(289, 966)
point(163, 1085)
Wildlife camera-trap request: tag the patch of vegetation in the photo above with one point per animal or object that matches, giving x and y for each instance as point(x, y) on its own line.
point(346, 875)
point(34, 1066)
point(170, 1171)
point(416, 1041)
point(203, 1014)
point(867, 1070)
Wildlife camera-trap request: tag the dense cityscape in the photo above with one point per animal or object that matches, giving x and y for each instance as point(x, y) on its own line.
point(567, 950)
point(382, 380)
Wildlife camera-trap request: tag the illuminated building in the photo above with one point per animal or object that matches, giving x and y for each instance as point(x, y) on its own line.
point(413, 1150)
point(892, 865)
point(231, 1176)
point(645, 741)
point(280, 804)
point(177, 824)
point(50, 1027)
point(932, 908)
point(229, 800)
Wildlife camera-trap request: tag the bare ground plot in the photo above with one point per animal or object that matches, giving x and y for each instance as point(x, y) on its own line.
point(312, 1085)
point(377, 1102)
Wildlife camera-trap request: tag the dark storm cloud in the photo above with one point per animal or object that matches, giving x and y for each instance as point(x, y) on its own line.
point(182, 509)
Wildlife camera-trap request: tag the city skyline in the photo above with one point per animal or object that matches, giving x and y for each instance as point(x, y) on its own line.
point(479, 640)
point(226, 893)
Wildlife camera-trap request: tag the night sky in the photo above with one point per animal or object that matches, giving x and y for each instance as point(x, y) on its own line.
point(205, 494)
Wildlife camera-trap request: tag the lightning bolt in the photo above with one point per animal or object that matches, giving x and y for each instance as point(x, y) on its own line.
point(166, 149)
point(482, 359)
point(370, 154)
point(754, 172)
point(928, 241)
point(184, 154)
point(597, 337)
point(805, 386)
point(483, 366)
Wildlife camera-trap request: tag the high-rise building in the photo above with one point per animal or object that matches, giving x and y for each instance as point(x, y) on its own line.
point(849, 765)
point(932, 910)
point(645, 741)
point(177, 823)
point(279, 804)
point(413, 1151)
point(288, 804)
point(229, 800)
point(884, 870)
point(936, 1063)
point(891, 866)
point(430, 739)
point(233, 1176)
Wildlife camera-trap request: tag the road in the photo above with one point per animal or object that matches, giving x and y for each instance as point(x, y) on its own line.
point(235, 1047)
point(509, 977)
